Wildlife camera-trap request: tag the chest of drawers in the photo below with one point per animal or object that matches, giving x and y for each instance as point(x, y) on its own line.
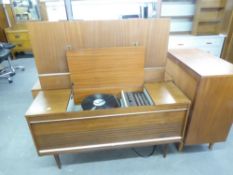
point(19, 36)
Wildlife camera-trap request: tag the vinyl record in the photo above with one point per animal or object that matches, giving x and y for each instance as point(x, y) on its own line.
point(99, 101)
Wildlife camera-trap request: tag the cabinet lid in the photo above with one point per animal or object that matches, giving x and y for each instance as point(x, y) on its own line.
point(201, 63)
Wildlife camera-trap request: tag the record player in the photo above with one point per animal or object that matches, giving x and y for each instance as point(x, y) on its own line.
point(110, 106)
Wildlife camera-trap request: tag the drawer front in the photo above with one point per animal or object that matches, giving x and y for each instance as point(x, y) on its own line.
point(17, 36)
point(22, 45)
point(185, 81)
point(118, 131)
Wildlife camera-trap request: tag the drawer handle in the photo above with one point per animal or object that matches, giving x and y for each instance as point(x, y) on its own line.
point(19, 45)
point(17, 36)
point(209, 43)
point(180, 44)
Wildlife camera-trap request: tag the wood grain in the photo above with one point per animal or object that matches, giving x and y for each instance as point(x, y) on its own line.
point(53, 101)
point(211, 112)
point(201, 63)
point(186, 82)
point(36, 89)
point(76, 132)
point(55, 81)
point(108, 68)
point(152, 34)
point(154, 74)
point(3, 23)
point(165, 93)
point(208, 17)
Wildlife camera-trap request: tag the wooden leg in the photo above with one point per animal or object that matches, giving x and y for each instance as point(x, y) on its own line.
point(165, 150)
point(211, 146)
point(181, 146)
point(58, 161)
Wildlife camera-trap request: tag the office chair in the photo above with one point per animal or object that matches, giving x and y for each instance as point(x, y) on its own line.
point(5, 54)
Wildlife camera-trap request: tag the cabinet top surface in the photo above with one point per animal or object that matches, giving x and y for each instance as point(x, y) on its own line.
point(202, 63)
point(165, 93)
point(50, 101)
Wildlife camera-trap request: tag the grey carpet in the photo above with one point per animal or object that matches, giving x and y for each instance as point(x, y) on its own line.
point(18, 155)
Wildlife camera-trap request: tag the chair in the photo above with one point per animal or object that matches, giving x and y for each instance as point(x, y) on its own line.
point(5, 54)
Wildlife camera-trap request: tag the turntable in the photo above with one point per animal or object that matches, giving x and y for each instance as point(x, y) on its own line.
point(100, 101)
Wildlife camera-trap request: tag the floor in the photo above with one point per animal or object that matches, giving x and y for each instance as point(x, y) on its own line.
point(18, 155)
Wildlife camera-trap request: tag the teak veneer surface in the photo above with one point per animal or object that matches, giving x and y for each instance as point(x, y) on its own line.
point(51, 101)
point(59, 131)
point(201, 62)
point(51, 40)
point(208, 81)
point(109, 69)
point(166, 93)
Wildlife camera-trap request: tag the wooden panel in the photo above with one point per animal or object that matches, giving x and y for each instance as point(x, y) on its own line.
point(49, 42)
point(211, 15)
point(3, 23)
point(209, 28)
point(108, 68)
point(154, 74)
point(152, 34)
point(200, 63)
point(166, 93)
point(46, 102)
point(228, 45)
point(228, 11)
point(55, 81)
point(111, 131)
point(186, 82)
point(212, 114)
point(212, 3)
point(36, 89)
point(130, 32)
point(11, 14)
point(208, 16)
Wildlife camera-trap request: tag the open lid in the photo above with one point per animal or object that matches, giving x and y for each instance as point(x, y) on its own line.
point(106, 70)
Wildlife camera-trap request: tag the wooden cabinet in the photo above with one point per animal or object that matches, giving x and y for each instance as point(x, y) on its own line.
point(208, 82)
point(19, 36)
point(56, 131)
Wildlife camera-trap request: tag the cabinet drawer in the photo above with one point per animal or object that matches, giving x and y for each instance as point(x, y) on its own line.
point(22, 45)
point(17, 36)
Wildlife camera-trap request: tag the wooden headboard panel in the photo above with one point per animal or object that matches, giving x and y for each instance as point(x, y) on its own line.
point(106, 70)
point(50, 41)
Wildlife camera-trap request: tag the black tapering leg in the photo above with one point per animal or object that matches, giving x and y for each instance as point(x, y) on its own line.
point(211, 146)
point(165, 147)
point(58, 161)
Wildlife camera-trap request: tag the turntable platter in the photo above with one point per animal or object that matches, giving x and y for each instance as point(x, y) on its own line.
point(99, 101)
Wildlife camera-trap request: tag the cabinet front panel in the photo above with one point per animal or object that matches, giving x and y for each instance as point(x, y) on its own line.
point(107, 130)
point(185, 81)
